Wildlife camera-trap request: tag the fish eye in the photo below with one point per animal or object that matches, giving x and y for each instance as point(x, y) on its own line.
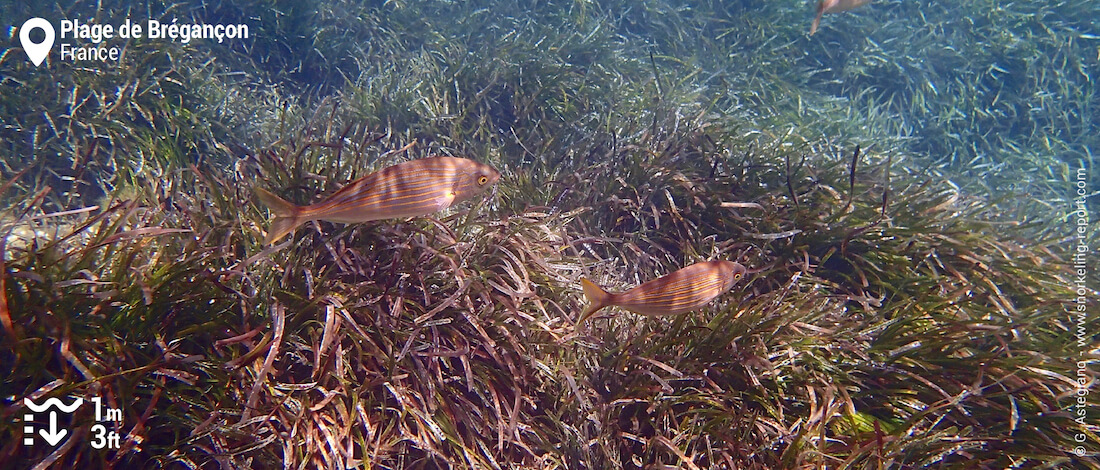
point(481, 180)
point(737, 276)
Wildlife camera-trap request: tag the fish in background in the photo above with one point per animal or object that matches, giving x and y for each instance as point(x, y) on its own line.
point(834, 6)
point(681, 291)
point(410, 189)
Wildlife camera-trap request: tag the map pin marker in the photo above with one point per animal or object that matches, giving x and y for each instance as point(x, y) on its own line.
point(37, 52)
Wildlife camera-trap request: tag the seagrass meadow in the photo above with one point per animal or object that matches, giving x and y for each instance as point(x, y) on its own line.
point(908, 187)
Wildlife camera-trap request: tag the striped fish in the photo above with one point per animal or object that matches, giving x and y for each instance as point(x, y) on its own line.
point(409, 189)
point(834, 6)
point(682, 291)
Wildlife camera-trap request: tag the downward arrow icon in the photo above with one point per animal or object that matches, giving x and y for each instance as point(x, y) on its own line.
point(54, 435)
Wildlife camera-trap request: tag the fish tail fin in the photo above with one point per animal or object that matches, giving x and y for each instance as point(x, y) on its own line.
point(817, 19)
point(287, 215)
point(597, 299)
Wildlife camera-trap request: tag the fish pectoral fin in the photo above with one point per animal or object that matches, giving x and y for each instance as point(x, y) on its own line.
point(445, 200)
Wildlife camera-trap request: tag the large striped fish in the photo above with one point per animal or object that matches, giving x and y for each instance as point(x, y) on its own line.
point(410, 189)
point(682, 291)
point(834, 6)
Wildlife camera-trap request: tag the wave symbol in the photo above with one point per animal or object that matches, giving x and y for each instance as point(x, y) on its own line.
point(53, 402)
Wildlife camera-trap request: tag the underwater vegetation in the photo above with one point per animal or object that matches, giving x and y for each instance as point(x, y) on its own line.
point(899, 187)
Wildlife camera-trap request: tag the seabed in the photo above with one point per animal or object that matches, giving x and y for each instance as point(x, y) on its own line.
point(911, 186)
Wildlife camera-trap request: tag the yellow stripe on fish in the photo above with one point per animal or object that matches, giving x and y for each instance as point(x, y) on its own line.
point(681, 291)
point(410, 189)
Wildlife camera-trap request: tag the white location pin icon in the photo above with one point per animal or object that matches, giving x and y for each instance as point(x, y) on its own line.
point(37, 52)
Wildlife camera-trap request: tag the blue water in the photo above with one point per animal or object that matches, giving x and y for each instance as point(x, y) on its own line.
point(995, 100)
point(973, 85)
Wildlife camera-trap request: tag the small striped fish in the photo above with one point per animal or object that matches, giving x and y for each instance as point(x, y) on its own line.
point(409, 189)
point(682, 291)
point(834, 6)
